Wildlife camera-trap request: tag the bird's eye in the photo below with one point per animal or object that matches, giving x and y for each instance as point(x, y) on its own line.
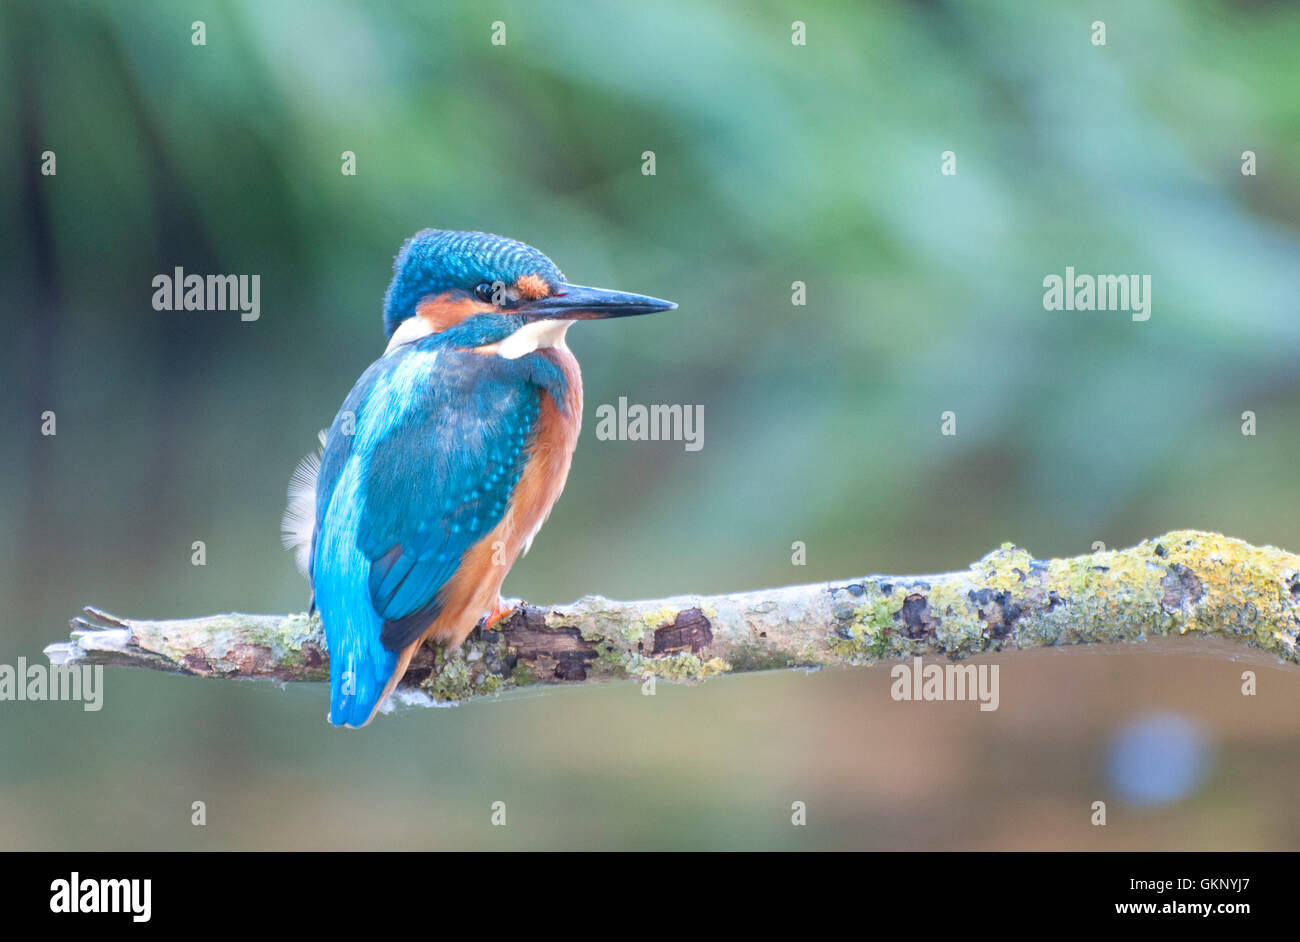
point(484, 291)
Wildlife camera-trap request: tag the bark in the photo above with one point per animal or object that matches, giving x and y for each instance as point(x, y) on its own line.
point(1186, 583)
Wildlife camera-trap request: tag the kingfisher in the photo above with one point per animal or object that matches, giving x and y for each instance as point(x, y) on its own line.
point(446, 457)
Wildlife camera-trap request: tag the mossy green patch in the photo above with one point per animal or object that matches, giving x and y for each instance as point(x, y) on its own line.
point(522, 675)
point(873, 632)
point(455, 678)
point(960, 630)
point(682, 667)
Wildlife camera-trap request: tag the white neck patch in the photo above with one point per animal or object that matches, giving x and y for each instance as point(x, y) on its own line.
point(537, 335)
point(413, 328)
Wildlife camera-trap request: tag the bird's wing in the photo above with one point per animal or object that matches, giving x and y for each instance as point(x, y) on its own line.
point(437, 483)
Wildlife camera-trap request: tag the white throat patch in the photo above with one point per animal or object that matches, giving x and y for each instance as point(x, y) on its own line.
point(537, 335)
point(413, 328)
point(534, 336)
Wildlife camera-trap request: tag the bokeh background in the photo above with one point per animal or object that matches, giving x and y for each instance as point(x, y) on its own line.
point(775, 163)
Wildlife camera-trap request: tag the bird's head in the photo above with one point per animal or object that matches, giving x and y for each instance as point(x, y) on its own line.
point(489, 292)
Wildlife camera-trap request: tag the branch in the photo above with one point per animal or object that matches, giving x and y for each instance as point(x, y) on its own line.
point(1184, 583)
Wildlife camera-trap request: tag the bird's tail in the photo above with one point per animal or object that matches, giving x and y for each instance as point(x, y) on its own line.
point(358, 682)
point(360, 666)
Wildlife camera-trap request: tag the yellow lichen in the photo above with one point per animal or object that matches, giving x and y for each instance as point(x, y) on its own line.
point(1004, 569)
point(664, 615)
point(682, 667)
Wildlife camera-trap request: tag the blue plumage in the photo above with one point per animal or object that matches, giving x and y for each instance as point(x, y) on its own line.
point(441, 482)
point(423, 460)
point(439, 442)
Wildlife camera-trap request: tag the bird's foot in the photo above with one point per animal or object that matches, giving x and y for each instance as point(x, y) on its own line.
point(501, 610)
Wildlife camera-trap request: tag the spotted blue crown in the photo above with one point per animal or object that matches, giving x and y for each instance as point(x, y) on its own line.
point(435, 261)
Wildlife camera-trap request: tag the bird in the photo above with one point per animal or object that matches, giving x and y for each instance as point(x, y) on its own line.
point(446, 457)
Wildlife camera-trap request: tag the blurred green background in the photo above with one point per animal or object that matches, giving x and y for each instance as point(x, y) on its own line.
point(775, 163)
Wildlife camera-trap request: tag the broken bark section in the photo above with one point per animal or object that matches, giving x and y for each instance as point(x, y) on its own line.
point(1184, 583)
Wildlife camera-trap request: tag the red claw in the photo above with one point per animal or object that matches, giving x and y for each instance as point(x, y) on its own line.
point(498, 613)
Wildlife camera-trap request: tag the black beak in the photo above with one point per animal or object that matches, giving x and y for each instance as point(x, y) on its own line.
point(580, 303)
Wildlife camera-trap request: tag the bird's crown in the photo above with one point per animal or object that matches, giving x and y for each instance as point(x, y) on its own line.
point(477, 264)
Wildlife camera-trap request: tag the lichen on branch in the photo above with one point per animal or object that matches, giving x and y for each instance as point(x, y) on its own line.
point(1186, 582)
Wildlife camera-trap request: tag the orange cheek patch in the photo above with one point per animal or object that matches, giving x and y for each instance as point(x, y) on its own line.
point(533, 287)
point(446, 310)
